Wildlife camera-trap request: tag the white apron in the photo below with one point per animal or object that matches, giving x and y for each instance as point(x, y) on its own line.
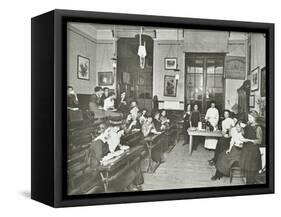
point(212, 116)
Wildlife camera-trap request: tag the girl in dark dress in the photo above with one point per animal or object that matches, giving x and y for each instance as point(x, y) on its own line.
point(195, 116)
point(250, 159)
point(186, 124)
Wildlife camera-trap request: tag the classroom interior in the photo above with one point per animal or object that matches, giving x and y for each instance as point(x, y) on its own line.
point(158, 69)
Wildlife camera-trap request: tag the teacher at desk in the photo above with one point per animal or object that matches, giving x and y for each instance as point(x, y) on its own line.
point(212, 116)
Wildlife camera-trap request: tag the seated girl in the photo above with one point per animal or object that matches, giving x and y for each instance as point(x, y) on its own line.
point(149, 128)
point(109, 102)
point(157, 122)
point(164, 119)
point(131, 124)
point(143, 116)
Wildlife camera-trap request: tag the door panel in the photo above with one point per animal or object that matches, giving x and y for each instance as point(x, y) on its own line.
point(204, 80)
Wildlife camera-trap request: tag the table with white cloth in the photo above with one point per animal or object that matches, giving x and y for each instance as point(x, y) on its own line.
point(205, 133)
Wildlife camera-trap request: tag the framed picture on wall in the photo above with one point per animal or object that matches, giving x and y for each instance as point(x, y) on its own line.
point(252, 101)
point(255, 79)
point(170, 86)
point(263, 82)
point(170, 63)
point(105, 78)
point(235, 67)
point(83, 67)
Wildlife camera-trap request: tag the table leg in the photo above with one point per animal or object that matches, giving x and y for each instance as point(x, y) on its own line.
point(149, 168)
point(105, 180)
point(190, 144)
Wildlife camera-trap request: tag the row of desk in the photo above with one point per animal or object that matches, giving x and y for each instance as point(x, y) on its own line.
point(120, 171)
point(151, 148)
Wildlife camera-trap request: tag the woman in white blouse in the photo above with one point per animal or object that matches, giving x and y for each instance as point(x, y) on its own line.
point(223, 143)
point(212, 115)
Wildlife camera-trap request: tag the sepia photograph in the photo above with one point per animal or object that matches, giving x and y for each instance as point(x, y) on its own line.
point(164, 108)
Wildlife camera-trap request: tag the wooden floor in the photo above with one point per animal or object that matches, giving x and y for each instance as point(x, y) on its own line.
point(182, 170)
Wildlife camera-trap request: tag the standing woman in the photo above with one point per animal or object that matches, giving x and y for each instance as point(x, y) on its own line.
point(250, 159)
point(195, 116)
point(212, 116)
point(186, 124)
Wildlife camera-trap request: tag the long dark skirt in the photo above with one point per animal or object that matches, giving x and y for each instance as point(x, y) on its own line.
point(222, 146)
point(250, 161)
point(225, 161)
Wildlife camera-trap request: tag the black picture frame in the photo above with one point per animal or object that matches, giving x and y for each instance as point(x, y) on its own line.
point(49, 134)
point(105, 78)
point(170, 63)
point(170, 86)
point(255, 79)
point(83, 68)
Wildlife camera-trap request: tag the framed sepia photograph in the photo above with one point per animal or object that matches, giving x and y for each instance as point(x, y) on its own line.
point(105, 78)
point(134, 134)
point(83, 68)
point(170, 63)
point(170, 86)
point(255, 79)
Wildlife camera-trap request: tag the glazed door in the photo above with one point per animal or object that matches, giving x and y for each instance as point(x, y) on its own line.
point(204, 80)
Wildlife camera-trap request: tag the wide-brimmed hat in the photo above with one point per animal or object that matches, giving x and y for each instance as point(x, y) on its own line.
point(115, 121)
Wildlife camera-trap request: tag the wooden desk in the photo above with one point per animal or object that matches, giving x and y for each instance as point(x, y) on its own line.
point(128, 159)
point(152, 142)
point(203, 133)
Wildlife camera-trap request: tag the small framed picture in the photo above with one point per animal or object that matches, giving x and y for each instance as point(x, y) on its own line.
point(105, 78)
point(83, 68)
point(255, 79)
point(252, 101)
point(170, 86)
point(170, 63)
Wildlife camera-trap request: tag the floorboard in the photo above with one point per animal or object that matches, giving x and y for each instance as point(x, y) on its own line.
point(181, 170)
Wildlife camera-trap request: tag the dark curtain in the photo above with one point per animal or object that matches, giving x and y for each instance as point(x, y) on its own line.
point(243, 98)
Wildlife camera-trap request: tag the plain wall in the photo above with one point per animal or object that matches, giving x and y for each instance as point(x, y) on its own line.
point(79, 44)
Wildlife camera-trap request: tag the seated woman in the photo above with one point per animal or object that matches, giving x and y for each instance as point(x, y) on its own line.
point(99, 148)
point(164, 119)
point(143, 116)
point(123, 104)
point(149, 128)
point(157, 122)
point(134, 110)
point(250, 159)
point(232, 154)
point(223, 142)
point(131, 124)
point(72, 100)
point(109, 102)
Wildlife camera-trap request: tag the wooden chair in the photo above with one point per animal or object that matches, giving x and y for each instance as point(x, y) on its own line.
point(235, 172)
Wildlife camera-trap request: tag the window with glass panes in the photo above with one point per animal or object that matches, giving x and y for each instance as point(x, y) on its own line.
point(204, 80)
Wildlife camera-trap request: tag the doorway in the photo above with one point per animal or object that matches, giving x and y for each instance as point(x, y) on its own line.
point(131, 78)
point(204, 80)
